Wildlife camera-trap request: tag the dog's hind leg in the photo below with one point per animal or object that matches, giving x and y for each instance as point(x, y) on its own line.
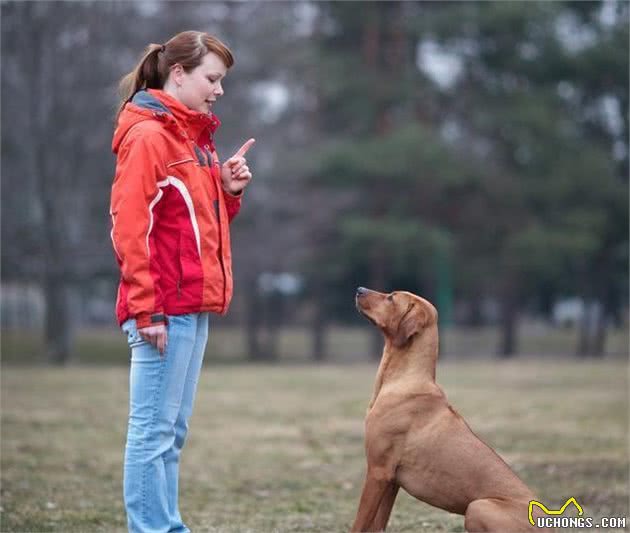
point(374, 491)
point(385, 509)
point(496, 515)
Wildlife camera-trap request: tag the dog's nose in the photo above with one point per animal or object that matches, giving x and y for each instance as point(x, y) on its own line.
point(361, 291)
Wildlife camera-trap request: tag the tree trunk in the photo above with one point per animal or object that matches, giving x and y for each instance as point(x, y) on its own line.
point(606, 316)
point(252, 321)
point(318, 346)
point(475, 318)
point(377, 282)
point(58, 327)
point(272, 304)
point(592, 330)
point(262, 328)
point(584, 328)
point(508, 321)
point(57, 330)
point(371, 37)
point(599, 341)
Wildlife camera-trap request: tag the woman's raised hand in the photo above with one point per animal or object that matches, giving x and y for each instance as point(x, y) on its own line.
point(235, 173)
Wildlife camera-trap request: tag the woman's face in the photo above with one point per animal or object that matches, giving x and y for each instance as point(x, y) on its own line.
point(200, 88)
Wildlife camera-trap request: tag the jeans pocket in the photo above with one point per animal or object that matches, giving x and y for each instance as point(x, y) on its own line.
point(133, 337)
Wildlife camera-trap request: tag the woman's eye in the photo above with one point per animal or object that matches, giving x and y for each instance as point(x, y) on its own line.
point(391, 297)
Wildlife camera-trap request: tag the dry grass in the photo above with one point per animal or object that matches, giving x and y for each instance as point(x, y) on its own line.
point(277, 448)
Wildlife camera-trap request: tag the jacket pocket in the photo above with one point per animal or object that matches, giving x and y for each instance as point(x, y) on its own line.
point(180, 160)
point(190, 267)
point(133, 337)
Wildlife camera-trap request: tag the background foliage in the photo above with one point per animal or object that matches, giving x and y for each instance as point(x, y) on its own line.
point(473, 152)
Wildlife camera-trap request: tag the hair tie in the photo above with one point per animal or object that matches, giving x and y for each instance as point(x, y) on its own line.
point(163, 48)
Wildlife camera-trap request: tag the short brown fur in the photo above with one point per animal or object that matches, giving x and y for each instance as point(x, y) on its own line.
point(414, 439)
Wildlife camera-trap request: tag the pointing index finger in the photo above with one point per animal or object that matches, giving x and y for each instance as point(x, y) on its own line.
point(243, 149)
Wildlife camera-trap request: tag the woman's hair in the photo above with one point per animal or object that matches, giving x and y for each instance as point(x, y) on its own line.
point(187, 48)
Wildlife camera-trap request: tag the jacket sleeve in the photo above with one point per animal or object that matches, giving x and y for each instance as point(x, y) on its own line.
point(232, 204)
point(135, 195)
point(232, 201)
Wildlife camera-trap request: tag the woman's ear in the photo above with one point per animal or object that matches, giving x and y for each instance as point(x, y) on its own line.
point(177, 73)
point(411, 323)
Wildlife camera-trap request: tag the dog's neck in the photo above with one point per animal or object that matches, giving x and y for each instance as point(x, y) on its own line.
point(417, 358)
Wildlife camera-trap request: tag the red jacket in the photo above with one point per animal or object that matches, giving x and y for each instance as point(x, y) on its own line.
point(169, 212)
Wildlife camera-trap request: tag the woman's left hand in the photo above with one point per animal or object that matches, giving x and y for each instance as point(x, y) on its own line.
point(235, 173)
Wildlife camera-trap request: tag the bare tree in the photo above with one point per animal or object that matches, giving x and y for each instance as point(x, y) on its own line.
point(58, 83)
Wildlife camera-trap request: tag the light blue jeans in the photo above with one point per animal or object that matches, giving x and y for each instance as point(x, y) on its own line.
point(161, 396)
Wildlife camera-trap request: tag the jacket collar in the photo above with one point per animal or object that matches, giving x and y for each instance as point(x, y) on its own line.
point(194, 123)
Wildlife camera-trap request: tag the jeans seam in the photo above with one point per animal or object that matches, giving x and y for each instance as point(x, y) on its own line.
point(145, 442)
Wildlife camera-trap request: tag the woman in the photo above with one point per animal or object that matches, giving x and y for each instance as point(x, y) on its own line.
point(171, 204)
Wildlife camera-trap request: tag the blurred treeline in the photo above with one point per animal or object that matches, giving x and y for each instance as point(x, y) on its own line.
point(473, 152)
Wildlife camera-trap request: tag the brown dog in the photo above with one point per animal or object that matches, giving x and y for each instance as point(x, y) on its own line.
point(414, 439)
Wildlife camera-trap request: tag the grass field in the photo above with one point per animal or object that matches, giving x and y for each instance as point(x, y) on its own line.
point(280, 448)
point(228, 343)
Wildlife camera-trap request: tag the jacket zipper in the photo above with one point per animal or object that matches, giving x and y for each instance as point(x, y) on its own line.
point(219, 191)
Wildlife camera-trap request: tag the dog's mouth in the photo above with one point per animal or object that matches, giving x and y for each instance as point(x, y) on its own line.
point(363, 313)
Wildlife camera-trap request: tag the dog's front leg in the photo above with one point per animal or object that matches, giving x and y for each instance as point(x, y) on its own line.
point(385, 508)
point(374, 491)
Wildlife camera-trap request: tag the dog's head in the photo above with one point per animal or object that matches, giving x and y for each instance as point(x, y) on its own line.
point(399, 315)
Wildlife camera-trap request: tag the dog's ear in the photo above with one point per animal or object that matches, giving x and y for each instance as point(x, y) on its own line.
point(414, 319)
